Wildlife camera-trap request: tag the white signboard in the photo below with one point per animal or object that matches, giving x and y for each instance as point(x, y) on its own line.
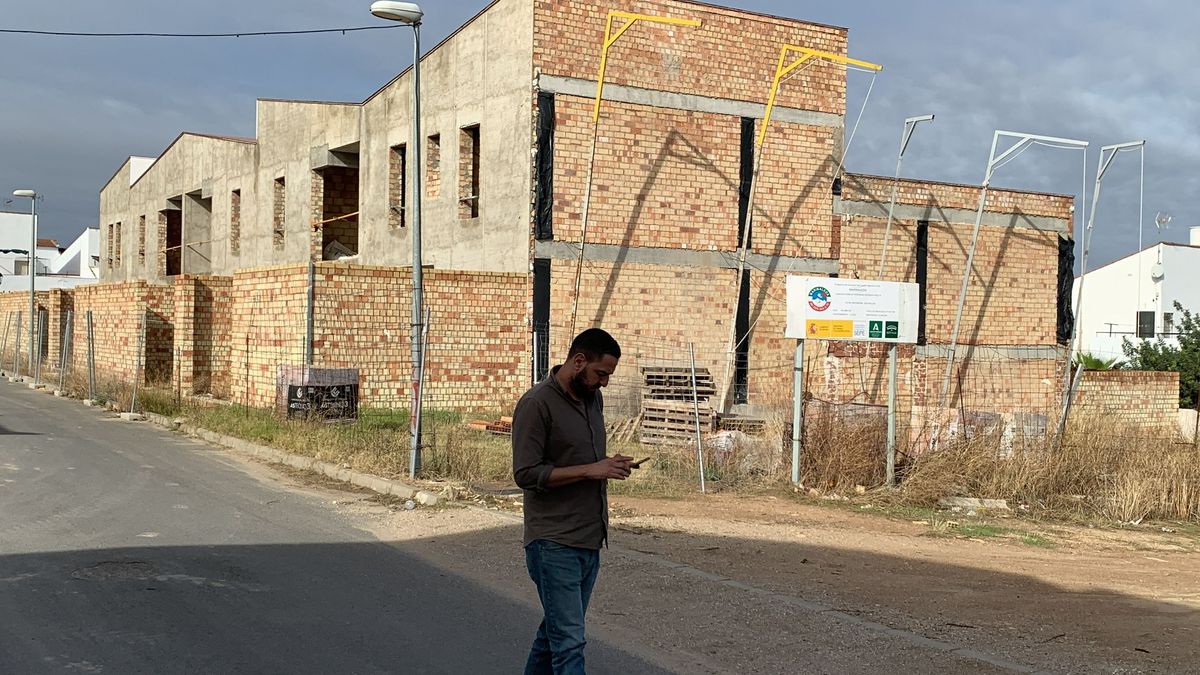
point(822, 308)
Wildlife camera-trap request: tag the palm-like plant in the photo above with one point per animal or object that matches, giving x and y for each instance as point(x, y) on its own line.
point(1092, 362)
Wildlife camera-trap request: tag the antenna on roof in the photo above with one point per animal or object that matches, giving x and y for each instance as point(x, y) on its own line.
point(1160, 221)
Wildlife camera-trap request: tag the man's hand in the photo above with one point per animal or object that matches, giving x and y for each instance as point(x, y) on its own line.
point(616, 467)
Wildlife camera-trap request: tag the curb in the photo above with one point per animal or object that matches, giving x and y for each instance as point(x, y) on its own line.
point(384, 486)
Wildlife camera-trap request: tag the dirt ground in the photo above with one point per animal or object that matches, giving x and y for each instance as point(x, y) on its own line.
point(727, 584)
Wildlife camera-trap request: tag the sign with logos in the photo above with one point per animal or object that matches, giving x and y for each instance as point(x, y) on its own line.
point(329, 402)
point(823, 308)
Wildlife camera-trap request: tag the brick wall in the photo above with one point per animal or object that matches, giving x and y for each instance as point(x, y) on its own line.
point(12, 303)
point(1012, 297)
point(1144, 403)
point(568, 35)
point(478, 340)
point(655, 312)
point(203, 316)
point(117, 311)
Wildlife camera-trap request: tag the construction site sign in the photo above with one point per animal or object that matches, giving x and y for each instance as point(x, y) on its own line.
point(823, 308)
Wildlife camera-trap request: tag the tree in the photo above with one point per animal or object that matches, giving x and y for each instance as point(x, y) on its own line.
point(1090, 361)
point(1184, 359)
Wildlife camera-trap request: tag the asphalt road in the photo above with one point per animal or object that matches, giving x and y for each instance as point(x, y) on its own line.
point(126, 549)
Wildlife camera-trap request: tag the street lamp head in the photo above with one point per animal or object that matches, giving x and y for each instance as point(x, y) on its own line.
point(404, 12)
point(25, 193)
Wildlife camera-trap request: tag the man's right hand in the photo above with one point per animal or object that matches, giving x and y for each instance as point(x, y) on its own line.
point(617, 467)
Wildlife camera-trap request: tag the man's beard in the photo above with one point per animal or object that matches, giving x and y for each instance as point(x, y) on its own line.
point(580, 387)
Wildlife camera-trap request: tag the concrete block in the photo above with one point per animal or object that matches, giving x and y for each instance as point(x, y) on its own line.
point(36, 385)
point(60, 393)
point(132, 417)
point(91, 403)
point(16, 379)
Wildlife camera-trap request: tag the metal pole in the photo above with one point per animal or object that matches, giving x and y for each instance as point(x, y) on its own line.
point(1066, 410)
point(418, 358)
point(415, 467)
point(910, 125)
point(797, 409)
point(7, 325)
point(68, 338)
point(91, 358)
point(17, 353)
point(137, 372)
point(962, 292)
point(308, 335)
point(533, 375)
point(178, 376)
point(891, 421)
point(37, 350)
point(32, 277)
point(696, 410)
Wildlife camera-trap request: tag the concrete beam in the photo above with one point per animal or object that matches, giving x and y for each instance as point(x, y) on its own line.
point(322, 157)
point(571, 86)
point(678, 257)
point(994, 352)
point(935, 213)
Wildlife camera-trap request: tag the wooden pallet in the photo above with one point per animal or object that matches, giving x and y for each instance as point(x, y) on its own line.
point(752, 426)
point(672, 421)
point(675, 383)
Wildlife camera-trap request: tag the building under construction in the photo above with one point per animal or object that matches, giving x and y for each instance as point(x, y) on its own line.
point(214, 238)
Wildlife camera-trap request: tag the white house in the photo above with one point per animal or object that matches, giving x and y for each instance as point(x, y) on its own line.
point(1134, 297)
point(57, 266)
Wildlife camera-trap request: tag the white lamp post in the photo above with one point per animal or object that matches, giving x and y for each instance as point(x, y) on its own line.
point(410, 13)
point(32, 195)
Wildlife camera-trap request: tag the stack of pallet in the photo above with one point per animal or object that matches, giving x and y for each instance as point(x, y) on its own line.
point(669, 403)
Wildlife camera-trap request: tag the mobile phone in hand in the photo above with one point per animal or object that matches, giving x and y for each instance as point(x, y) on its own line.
point(638, 464)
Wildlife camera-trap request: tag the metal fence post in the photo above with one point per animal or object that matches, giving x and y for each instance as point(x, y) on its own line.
point(91, 357)
point(137, 371)
point(891, 420)
point(7, 324)
point(17, 353)
point(65, 362)
point(1066, 409)
point(797, 409)
point(696, 410)
point(36, 348)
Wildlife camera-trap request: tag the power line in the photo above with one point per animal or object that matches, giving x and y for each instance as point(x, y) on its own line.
point(15, 31)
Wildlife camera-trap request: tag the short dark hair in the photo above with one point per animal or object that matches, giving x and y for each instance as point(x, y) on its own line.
point(594, 343)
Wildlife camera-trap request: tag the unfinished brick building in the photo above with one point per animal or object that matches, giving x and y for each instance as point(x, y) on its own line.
point(222, 230)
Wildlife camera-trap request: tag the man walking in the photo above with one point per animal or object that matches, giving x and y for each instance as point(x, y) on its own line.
point(560, 461)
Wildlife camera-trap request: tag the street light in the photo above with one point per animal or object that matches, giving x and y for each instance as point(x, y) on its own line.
point(410, 13)
point(32, 195)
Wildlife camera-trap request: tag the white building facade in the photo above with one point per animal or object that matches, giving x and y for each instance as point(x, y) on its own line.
point(1134, 298)
point(57, 266)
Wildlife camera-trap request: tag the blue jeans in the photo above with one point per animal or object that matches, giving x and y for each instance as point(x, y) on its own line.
point(564, 576)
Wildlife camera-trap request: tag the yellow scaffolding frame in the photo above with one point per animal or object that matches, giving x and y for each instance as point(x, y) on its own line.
point(610, 38)
point(783, 68)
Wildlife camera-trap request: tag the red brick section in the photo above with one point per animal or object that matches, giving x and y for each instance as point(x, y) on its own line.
point(1144, 403)
point(340, 200)
point(478, 344)
point(202, 334)
point(279, 215)
point(11, 304)
point(655, 312)
point(433, 166)
point(397, 187)
point(663, 178)
point(1012, 296)
point(267, 329)
point(117, 311)
point(568, 35)
point(235, 222)
point(478, 341)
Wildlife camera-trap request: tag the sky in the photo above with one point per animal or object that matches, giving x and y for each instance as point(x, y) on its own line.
point(72, 109)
